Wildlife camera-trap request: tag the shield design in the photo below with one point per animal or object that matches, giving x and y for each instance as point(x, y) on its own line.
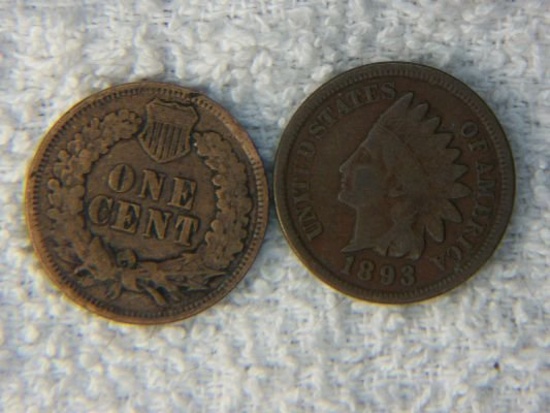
point(167, 132)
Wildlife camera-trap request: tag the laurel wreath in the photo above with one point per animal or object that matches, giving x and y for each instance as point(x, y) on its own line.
point(96, 263)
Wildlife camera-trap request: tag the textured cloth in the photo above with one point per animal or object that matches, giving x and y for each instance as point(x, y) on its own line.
point(282, 341)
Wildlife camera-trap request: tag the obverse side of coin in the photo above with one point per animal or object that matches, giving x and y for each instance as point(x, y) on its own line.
point(394, 182)
point(147, 203)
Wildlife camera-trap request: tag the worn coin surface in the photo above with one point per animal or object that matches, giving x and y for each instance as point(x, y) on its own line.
point(394, 182)
point(147, 203)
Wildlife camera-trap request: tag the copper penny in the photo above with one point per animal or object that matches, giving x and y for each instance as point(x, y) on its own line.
point(147, 203)
point(394, 182)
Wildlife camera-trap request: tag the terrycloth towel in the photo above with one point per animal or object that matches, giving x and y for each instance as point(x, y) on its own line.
point(282, 341)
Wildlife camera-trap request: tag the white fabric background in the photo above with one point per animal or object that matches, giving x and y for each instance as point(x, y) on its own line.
point(282, 341)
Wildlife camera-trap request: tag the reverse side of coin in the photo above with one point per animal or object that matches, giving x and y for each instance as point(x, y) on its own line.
point(394, 182)
point(147, 203)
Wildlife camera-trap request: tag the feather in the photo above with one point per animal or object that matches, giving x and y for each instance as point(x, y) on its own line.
point(435, 227)
point(449, 212)
point(459, 170)
point(459, 190)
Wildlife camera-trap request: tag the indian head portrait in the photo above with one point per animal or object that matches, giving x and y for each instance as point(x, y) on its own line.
point(401, 181)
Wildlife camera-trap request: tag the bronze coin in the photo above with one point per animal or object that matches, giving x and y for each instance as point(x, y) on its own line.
point(147, 203)
point(394, 182)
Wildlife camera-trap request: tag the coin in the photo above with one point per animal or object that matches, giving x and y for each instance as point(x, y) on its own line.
point(394, 182)
point(147, 202)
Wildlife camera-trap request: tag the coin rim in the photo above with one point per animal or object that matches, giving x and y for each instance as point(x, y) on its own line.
point(428, 75)
point(258, 175)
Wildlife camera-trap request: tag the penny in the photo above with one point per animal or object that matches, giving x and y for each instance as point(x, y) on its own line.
point(394, 182)
point(147, 203)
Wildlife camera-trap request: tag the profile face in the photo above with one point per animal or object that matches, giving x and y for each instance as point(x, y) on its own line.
point(362, 177)
point(400, 180)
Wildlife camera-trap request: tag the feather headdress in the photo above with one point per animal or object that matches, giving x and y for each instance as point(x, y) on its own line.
point(421, 176)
